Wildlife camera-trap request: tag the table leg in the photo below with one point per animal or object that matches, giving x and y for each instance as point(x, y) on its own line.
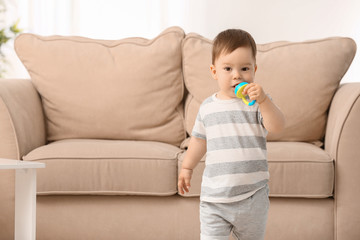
point(25, 204)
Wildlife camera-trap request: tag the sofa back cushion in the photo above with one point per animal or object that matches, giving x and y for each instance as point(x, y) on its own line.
point(108, 89)
point(301, 77)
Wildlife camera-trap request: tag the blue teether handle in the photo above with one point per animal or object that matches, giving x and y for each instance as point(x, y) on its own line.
point(252, 102)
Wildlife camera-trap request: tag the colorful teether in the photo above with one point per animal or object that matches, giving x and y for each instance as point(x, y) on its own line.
point(238, 93)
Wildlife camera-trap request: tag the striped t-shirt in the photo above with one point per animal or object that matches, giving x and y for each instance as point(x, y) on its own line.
point(236, 162)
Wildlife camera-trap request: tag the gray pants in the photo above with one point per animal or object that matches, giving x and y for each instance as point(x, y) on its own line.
point(246, 218)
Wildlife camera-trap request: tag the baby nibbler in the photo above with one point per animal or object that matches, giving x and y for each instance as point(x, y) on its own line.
point(238, 93)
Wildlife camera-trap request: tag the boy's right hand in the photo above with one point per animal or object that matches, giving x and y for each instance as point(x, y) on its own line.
point(184, 180)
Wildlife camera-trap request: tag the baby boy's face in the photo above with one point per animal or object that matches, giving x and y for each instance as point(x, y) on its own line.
point(233, 68)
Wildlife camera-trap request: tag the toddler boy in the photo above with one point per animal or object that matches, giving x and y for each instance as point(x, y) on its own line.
point(234, 190)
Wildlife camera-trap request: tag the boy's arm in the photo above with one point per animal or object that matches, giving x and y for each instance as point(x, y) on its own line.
point(273, 118)
point(196, 150)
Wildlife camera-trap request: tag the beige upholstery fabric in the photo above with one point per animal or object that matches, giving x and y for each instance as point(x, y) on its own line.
point(129, 89)
point(342, 142)
point(110, 167)
point(117, 218)
point(299, 219)
point(301, 77)
point(22, 125)
point(167, 218)
point(296, 170)
point(22, 129)
point(300, 170)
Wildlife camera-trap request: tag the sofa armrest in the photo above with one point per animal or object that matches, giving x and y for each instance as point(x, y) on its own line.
point(342, 143)
point(22, 129)
point(22, 125)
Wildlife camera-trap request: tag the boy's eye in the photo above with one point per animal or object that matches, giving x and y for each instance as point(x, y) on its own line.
point(227, 69)
point(245, 69)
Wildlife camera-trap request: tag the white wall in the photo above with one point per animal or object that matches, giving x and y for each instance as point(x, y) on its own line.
point(274, 20)
point(266, 20)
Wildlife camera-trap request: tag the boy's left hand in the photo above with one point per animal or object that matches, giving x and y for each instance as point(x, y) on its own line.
point(255, 92)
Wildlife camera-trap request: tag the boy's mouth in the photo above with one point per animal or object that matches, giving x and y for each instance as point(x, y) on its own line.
point(234, 86)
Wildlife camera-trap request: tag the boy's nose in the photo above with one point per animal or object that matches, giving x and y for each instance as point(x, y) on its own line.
point(237, 75)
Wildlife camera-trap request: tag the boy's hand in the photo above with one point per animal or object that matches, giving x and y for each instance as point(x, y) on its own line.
point(255, 92)
point(184, 180)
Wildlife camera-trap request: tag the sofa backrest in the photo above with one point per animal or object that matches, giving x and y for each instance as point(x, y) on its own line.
point(133, 89)
point(301, 77)
point(123, 89)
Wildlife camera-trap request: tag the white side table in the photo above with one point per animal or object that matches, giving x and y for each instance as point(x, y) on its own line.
point(25, 196)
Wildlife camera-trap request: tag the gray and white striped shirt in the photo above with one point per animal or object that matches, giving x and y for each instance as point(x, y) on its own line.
point(236, 157)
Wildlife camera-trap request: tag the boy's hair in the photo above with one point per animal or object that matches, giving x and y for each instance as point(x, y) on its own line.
point(231, 39)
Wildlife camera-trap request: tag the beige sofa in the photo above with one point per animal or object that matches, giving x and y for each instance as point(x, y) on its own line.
point(111, 121)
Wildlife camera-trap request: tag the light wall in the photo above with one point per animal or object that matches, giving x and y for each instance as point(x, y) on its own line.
point(274, 20)
point(266, 20)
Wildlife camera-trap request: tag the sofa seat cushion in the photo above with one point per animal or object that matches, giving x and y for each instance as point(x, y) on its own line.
point(110, 167)
point(296, 170)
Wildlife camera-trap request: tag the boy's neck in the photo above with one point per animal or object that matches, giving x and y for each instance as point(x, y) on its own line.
point(222, 96)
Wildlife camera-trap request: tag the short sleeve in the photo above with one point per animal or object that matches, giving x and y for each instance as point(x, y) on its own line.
point(199, 128)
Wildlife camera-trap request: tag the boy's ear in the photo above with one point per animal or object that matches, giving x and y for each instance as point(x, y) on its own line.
point(255, 68)
point(213, 71)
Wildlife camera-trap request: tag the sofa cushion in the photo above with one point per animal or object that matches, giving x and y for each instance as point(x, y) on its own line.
point(301, 77)
point(112, 167)
point(129, 89)
point(296, 170)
